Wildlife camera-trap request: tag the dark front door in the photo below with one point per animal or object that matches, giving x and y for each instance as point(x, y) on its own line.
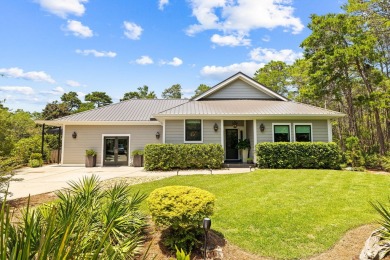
point(231, 144)
point(116, 151)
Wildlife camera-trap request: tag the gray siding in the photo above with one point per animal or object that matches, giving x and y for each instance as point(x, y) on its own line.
point(90, 137)
point(209, 135)
point(239, 89)
point(319, 128)
point(174, 131)
point(249, 135)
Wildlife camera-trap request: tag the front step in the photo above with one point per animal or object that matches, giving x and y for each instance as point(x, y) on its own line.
point(239, 165)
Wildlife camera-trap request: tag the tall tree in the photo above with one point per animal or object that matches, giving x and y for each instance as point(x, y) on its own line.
point(55, 110)
point(200, 90)
point(142, 93)
point(98, 98)
point(174, 92)
point(275, 75)
point(72, 100)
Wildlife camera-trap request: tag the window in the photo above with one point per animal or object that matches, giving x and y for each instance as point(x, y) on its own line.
point(302, 133)
point(281, 133)
point(193, 130)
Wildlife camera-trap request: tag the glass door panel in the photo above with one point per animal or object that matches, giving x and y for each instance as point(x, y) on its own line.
point(109, 151)
point(116, 151)
point(123, 148)
point(231, 144)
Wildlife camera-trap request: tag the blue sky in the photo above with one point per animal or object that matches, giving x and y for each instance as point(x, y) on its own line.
point(48, 47)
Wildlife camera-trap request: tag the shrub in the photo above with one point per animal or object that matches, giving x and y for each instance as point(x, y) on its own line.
point(90, 152)
point(183, 156)
point(353, 153)
point(137, 152)
point(35, 160)
point(27, 146)
point(386, 163)
point(373, 161)
point(181, 210)
point(300, 155)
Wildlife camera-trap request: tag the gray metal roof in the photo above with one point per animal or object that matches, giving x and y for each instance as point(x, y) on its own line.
point(247, 107)
point(130, 110)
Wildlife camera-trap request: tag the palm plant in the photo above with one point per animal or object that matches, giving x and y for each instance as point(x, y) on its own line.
point(87, 222)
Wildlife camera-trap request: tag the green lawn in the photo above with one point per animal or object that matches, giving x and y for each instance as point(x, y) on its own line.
point(287, 213)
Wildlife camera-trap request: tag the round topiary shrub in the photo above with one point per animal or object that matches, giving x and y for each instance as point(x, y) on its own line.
point(181, 210)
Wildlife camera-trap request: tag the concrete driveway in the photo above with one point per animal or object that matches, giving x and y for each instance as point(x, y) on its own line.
point(55, 177)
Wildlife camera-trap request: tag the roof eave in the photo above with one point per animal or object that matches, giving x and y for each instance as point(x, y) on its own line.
point(249, 116)
point(62, 123)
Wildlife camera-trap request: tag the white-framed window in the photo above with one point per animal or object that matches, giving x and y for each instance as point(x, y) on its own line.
point(281, 132)
point(303, 132)
point(193, 131)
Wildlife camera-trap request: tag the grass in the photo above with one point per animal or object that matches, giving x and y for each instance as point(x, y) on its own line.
point(287, 213)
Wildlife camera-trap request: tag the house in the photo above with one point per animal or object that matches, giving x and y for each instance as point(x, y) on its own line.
point(236, 108)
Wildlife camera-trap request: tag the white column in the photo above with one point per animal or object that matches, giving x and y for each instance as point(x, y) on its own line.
point(330, 134)
point(63, 145)
point(254, 139)
point(163, 131)
point(222, 134)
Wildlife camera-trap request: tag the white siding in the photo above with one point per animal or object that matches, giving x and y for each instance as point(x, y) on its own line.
point(90, 137)
point(320, 129)
point(239, 89)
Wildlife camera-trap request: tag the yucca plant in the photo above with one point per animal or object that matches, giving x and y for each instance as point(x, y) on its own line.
point(87, 222)
point(384, 212)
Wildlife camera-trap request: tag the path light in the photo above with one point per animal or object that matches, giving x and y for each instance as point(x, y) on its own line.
point(158, 135)
point(74, 135)
point(262, 127)
point(206, 227)
point(215, 127)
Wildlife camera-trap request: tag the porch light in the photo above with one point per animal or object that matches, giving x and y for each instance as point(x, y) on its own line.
point(215, 127)
point(206, 227)
point(74, 135)
point(158, 135)
point(262, 127)
point(234, 124)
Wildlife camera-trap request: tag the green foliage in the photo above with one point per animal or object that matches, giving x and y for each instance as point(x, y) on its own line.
point(181, 255)
point(243, 144)
point(373, 161)
point(386, 163)
point(200, 90)
point(7, 165)
point(72, 100)
point(35, 160)
point(25, 147)
point(275, 76)
point(98, 98)
point(87, 222)
point(181, 209)
point(302, 155)
point(55, 110)
point(143, 93)
point(353, 153)
point(183, 156)
point(173, 92)
point(384, 212)
point(137, 152)
point(90, 152)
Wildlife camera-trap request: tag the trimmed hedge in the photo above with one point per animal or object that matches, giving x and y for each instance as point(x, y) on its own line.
point(183, 156)
point(300, 155)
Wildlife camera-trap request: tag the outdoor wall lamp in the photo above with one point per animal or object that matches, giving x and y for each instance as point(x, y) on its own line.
point(262, 127)
point(158, 135)
point(74, 135)
point(206, 227)
point(234, 124)
point(215, 127)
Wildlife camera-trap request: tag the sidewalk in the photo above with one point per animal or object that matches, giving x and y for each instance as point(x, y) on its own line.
point(55, 177)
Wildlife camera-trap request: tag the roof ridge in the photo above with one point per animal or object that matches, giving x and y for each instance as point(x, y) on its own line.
point(188, 101)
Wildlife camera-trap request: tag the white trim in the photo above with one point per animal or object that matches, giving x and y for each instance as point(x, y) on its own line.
point(222, 135)
point(330, 133)
point(254, 139)
point(115, 135)
point(63, 145)
point(289, 129)
point(311, 130)
point(244, 78)
point(60, 123)
point(201, 132)
point(164, 131)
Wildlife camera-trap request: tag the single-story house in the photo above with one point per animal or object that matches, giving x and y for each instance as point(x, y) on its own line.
point(235, 109)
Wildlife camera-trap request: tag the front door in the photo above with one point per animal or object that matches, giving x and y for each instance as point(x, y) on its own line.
point(116, 151)
point(231, 144)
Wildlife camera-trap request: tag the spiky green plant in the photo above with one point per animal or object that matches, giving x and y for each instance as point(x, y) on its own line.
point(87, 222)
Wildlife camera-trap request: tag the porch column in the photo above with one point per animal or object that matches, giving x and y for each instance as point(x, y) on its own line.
point(254, 139)
point(43, 141)
point(222, 135)
point(63, 145)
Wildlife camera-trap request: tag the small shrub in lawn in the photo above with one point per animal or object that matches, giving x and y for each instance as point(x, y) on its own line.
point(180, 209)
point(183, 156)
point(300, 155)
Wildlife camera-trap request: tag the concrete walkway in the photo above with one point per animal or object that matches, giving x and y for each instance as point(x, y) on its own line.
point(55, 177)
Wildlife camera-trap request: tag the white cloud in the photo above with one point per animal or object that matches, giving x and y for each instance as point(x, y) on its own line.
point(175, 62)
point(266, 55)
point(266, 38)
point(74, 84)
point(230, 40)
point(63, 8)
point(17, 89)
point(144, 60)
point(55, 91)
point(132, 30)
point(96, 53)
point(162, 4)
point(222, 72)
point(78, 29)
point(31, 75)
point(81, 94)
point(242, 16)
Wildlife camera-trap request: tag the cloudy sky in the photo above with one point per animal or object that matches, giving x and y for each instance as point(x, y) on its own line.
point(49, 47)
